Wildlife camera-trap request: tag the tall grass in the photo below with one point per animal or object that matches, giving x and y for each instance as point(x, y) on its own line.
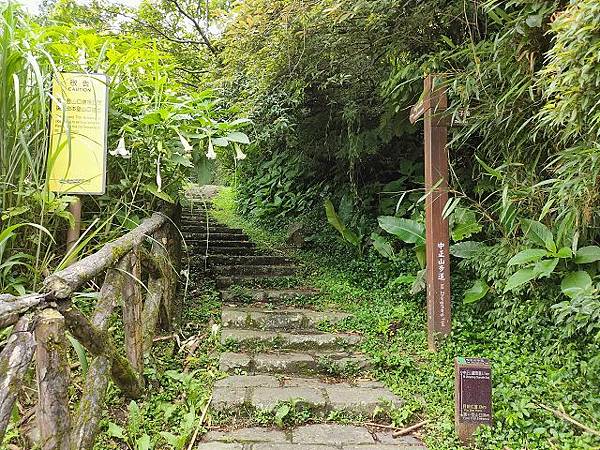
point(25, 71)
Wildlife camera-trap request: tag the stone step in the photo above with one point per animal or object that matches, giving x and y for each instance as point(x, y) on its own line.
point(199, 221)
point(195, 228)
point(308, 437)
point(247, 260)
point(230, 250)
point(264, 392)
point(254, 271)
point(215, 236)
point(216, 243)
point(295, 363)
point(266, 295)
point(264, 318)
point(244, 280)
point(251, 339)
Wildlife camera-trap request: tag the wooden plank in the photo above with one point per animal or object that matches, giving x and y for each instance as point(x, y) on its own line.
point(437, 241)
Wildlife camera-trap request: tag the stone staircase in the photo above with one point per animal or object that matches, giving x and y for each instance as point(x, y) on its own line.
point(278, 354)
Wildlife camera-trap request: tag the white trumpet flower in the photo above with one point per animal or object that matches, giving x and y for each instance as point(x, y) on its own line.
point(158, 176)
point(121, 150)
point(238, 153)
point(215, 329)
point(211, 151)
point(187, 147)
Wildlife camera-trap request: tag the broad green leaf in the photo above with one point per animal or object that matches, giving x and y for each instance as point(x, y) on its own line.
point(534, 20)
point(465, 230)
point(466, 249)
point(538, 234)
point(407, 230)
point(151, 118)
point(420, 252)
point(143, 443)
point(383, 247)
point(476, 292)
point(337, 223)
point(564, 253)
point(332, 217)
point(575, 283)
point(171, 439)
point(281, 413)
point(527, 256)
point(116, 431)
point(589, 254)
point(81, 355)
point(153, 189)
point(239, 137)
point(220, 142)
point(544, 268)
point(519, 278)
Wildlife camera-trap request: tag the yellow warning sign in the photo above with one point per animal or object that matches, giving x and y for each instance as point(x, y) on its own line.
point(78, 132)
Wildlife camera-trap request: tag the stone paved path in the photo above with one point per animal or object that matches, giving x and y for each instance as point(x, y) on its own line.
point(277, 353)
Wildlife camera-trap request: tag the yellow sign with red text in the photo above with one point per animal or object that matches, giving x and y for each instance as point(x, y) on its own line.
point(78, 132)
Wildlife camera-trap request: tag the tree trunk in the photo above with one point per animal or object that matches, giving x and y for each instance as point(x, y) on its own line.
point(53, 373)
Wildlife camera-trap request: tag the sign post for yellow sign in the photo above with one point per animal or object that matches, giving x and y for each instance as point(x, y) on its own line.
point(78, 132)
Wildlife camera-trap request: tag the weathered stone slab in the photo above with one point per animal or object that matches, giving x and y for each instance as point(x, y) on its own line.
point(290, 340)
point(292, 447)
point(219, 446)
point(382, 447)
point(241, 381)
point(278, 319)
point(296, 363)
point(268, 295)
point(229, 362)
point(247, 435)
point(331, 434)
point(358, 399)
point(268, 398)
point(227, 397)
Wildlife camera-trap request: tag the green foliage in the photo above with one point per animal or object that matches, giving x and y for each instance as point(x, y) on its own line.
point(334, 219)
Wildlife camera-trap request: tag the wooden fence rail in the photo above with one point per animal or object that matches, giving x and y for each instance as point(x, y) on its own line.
point(140, 277)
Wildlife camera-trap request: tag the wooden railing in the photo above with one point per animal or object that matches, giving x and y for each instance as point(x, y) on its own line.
point(140, 276)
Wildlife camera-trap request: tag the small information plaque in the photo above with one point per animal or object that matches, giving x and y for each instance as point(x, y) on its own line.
point(473, 395)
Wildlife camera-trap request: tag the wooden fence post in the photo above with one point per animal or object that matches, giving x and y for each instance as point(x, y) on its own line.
point(53, 373)
point(436, 187)
point(14, 361)
point(133, 305)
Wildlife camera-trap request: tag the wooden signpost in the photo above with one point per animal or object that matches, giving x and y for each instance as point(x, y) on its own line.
point(433, 106)
point(78, 134)
point(472, 395)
